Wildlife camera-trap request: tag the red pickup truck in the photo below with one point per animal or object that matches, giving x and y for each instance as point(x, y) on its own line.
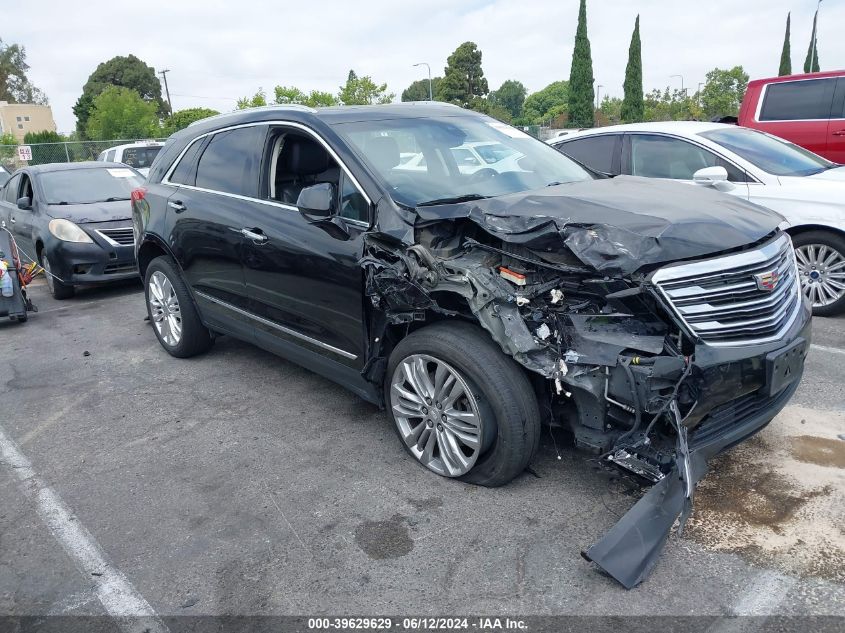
point(808, 110)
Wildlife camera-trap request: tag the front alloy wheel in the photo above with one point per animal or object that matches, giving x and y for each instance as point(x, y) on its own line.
point(822, 271)
point(164, 309)
point(436, 414)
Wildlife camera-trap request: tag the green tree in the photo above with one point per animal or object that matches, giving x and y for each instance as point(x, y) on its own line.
point(183, 118)
point(15, 86)
point(723, 92)
point(314, 99)
point(786, 54)
point(257, 100)
point(549, 103)
point(363, 91)
point(418, 90)
point(632, 104)
point(127, 72)
point(811, 64)
point(43, 153)
point(121, 113)
point(510, 96)
point(670, 105)
point(463, 81)
point(610, 111)
point(581, 93)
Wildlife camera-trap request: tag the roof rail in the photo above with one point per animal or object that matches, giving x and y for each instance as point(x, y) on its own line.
point(280, 106)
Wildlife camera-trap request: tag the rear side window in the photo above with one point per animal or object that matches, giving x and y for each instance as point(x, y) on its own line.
point(797, 100)
point(186, 171)
point(596, 152)
point(11, 189)
point(230, 162)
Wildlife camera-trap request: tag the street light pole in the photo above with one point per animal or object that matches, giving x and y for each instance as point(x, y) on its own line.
point(682, 80)
point(163, 74)
point(598, 92)
point(430, 92)
point(815, 35)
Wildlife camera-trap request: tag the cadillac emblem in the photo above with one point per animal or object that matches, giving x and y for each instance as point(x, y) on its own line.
point(767, 281)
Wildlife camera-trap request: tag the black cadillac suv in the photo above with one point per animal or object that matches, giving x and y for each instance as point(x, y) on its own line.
point(477, 295)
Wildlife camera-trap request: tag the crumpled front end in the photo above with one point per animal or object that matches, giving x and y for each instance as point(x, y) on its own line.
point(654, 370)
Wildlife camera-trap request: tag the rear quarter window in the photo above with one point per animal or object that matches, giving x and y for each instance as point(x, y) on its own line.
point(797, 100)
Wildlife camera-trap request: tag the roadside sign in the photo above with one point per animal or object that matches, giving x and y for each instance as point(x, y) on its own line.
point(24, 152)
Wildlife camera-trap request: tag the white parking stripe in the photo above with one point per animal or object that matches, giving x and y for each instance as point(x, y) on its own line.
point(117, 595)
point(832, 350)
point(760, 598)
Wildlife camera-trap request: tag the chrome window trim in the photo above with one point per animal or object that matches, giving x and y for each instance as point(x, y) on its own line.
point(276, 326)
point(756, 256)
point(765, 91)
point(293, 124)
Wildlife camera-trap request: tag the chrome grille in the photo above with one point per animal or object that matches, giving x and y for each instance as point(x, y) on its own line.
point(721, 301)
point(122, 236)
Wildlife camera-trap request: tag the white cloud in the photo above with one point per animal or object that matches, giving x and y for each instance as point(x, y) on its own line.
point(219, 50)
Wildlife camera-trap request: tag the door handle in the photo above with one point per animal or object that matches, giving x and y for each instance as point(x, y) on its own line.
point(176, 205)
point(12, 220)
point(839, 133)
point(255, 235)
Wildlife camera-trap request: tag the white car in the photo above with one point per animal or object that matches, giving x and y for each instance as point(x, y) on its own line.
point(138, 155)
point(806, 189)
point(471, 158)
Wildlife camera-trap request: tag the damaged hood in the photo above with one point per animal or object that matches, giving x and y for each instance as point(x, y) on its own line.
point(618, 225)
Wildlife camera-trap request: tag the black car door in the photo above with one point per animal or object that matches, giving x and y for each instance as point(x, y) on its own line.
point(217, 181)
point(24, 220)
point(303, 276)
point(8, 201)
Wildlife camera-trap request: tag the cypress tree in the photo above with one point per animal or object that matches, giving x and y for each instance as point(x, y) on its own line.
point(632, 104)
point(581, 93)
point(812, 65)
point(786, 54)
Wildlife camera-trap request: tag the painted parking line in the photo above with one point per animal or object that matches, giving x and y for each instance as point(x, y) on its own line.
point(830, 350)
point(761, 599)
point(114, 591)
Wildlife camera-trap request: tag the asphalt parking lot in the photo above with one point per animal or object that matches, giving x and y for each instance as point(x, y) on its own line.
point(238, 483)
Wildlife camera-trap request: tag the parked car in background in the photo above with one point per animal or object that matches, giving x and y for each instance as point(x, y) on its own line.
point(74, 218)
point(808, 110)
point(137, 155)
point(806, 189)
point(470, 158)
point(461, 301)
point(4, 175)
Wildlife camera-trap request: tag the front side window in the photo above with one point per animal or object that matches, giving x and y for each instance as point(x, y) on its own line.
point(596, 152)
point(655, 156)
point(384, 144)
point(771, 154)
point(11, 189)
point(85, 186)
point(353, 205)
point(231, 160)
point(797, 100)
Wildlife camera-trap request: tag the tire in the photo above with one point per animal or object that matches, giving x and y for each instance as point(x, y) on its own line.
point(508, 413)
point(821, 262)
point(169, 304)
point(58, 289)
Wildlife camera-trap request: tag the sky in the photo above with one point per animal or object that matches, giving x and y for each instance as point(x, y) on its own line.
point(220, 50)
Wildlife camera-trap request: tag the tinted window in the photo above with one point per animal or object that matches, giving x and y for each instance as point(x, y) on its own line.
point(11, 189)
point(230, 162)
point(793, 100)
point(140, 157)
point(84, 186)
point(186, 171)
point(655, 156)
point(596, 152)
point(353, 205)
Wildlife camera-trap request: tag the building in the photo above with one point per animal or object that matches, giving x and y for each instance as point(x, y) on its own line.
point(20, 118)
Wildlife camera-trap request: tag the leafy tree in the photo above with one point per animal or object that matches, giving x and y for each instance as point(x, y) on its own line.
point(255, 101)
point(42, 153)
point(121, 113)
point(293, 95)
point(510, 96)
point(670, 105)
point(632, 105)
point(610, 111)
point(418, 90)
point(548, 103)
point(723, 92)
point(15, 86)
point(786, 53)
point(363, 91)
point(811, 64)
point(183, 118)
point(464, 80)
point(581, 93)
point(46, 136)
point(127, 72)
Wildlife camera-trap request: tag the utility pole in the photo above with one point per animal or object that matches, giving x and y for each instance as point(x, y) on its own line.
point(163, 74)
point(430, 92)
point(598, 91)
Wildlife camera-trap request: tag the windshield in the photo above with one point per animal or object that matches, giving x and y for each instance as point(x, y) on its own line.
point(140, 157)
point(84, 186)
point(769, 153)
point(443, 159)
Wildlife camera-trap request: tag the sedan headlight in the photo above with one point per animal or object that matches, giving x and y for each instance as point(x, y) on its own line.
point(67, 231)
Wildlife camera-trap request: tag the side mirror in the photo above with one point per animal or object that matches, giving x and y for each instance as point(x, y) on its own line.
point(24, 203)
point(716, 177)
point(317, 200)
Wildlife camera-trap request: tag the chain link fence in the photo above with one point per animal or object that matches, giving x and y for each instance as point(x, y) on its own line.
point(66, 152)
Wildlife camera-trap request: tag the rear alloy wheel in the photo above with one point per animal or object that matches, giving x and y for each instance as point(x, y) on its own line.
point(58, 289)
point(821, 264)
